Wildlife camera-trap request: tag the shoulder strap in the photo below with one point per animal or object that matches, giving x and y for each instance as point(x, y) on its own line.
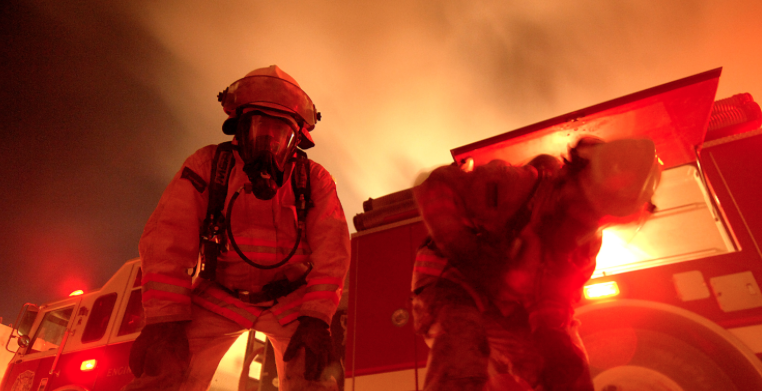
point(300, 181)
point(213, 224)
point(222, 165)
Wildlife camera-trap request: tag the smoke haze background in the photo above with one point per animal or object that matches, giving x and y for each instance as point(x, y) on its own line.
point(103, 100)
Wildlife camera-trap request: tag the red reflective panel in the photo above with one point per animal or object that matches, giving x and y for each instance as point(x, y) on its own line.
point(674, 115)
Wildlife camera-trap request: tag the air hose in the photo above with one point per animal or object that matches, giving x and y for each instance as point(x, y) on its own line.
point(300, 226)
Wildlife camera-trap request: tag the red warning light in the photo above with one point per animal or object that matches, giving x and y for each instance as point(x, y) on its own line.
point(88, 365)
point(77, 292)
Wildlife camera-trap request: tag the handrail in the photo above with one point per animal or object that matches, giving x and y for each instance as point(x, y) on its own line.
point(58, 354)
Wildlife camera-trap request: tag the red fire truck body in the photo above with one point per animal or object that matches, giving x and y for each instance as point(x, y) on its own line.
point(76, 344)
point(674, 303)
point(687, 314)
point(82, 343)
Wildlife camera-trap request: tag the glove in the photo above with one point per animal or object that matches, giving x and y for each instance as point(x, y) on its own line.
point(564, 361)
point(313, 335)
point(160, 347)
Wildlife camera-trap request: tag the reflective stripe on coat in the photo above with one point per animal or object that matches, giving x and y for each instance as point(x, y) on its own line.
point(265, 231)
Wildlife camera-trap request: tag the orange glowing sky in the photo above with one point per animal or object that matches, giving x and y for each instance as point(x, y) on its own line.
point(104, 102)
point(400, 83)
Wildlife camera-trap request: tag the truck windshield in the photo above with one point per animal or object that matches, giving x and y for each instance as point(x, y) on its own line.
point(51, 330)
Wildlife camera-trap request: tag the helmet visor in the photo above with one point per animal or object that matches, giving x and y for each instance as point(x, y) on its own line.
point(268, 133)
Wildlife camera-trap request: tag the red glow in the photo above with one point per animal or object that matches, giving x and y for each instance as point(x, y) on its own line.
point(77, 292)
point(88, 365)
point(658, 113)
point(602, 290)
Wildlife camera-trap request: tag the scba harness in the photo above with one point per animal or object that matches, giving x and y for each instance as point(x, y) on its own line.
point(216, 223)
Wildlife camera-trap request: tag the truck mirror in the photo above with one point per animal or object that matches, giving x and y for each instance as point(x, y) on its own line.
point(26, 319)
point(23, 326)
point(24, 341)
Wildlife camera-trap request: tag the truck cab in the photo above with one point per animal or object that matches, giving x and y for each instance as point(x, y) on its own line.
point(81, 342)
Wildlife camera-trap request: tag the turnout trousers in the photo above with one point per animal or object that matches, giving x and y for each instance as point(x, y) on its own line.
point(210, 336)
point(475, 350)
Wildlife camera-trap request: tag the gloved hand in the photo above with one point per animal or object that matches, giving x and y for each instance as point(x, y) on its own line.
point(160, 347)
point(313, 335)
point(564, 361)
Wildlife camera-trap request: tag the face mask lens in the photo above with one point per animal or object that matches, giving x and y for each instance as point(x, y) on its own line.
point(266, 143)
point(264, 133)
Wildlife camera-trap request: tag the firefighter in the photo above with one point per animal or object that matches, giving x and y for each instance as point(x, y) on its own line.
point(273, 213)
point(509, 250)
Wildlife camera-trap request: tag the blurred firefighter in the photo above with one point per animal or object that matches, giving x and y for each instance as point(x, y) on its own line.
point(273, 259)
point(509, 250)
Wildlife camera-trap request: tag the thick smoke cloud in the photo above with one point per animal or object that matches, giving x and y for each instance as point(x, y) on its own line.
point(102, 101)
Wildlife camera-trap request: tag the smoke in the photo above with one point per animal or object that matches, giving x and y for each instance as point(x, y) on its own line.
point(104, 100)
point(84, 147)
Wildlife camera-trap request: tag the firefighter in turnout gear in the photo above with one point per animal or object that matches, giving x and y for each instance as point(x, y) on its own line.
point(274, 246)
point(509, 250)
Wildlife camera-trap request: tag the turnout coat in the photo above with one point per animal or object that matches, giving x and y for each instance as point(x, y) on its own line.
point(265, 231)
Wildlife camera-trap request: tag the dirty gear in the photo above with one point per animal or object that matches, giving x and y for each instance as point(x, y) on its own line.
point(510, 248)
point(239, 296)
point(160, 347)
point(312, 335)
point(210, 336)
point(264, 230)
point(473, 349)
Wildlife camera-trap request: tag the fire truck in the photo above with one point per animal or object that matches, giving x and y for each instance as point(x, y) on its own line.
point(674, 303)
point(82, 343)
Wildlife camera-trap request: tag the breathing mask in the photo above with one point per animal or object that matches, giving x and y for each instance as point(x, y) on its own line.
point(267, 139)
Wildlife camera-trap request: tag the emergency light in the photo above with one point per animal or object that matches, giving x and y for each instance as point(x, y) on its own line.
point(601, 290)
point(77, 292)
point(88, 365)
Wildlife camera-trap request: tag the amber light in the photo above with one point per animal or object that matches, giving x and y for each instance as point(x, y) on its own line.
point(77, 292)
point(87, 365)
point(602, 290)
point(468, 165)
